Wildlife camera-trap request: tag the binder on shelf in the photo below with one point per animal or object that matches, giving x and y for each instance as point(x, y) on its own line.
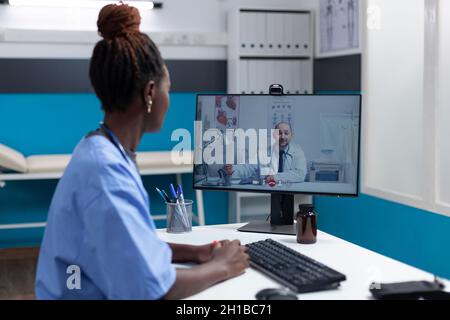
point(309, 76)
point(263, 75)
point(260, 29)
point(252, 76)
point(296, 76)
point(279, 77)
point(300, 78)
point(244, 23)
point(308, 38)
point(297, 35)
point(253, 32)
point(270, 72)
point(243, 76)
point(288, 33)
point(259, 70)
point(271, 34)
point(266, 78)
point(306, 76)
point(275, 35)
point(284, 74)
point(286, 71)
point(279, 25)
point(302, 34)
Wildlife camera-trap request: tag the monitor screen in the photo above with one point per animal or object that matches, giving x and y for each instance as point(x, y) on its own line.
point(290, 144)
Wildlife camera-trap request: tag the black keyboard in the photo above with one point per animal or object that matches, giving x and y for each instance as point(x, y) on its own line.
point(290, 268)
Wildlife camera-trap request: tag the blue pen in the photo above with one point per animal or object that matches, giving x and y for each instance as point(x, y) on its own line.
point(180, 195)
point(172, 190)
point(180, 192)
point(163, 195)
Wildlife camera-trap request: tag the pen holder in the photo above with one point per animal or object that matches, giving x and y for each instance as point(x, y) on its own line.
point(179, 216)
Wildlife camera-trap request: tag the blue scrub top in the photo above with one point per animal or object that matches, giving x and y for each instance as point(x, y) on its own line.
point(99, 221)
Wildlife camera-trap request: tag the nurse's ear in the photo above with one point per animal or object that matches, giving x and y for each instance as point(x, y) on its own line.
point(149, 96)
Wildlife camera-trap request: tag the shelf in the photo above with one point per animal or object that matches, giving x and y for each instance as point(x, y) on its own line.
point(263, 56)
point(253, 195)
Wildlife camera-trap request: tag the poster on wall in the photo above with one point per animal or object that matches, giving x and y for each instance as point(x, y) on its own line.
point(226, 112)
point(281, 111)
point(338, 28)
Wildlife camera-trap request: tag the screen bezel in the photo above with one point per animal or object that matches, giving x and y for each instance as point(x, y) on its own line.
point(349, 195)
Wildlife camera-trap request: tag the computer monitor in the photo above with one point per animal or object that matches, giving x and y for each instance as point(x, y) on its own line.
point(278, 144)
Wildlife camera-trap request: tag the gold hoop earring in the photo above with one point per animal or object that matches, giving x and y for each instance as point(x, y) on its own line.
point(149, 106)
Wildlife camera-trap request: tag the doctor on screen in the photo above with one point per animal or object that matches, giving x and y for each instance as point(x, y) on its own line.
point(288, 159)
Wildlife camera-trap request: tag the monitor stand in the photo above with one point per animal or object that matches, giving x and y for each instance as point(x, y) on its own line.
point(281, 217)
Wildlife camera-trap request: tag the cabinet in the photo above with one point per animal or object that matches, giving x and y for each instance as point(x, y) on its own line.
point(267, 46)
point(270, 46)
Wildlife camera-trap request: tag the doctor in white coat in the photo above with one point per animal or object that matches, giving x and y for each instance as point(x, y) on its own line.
point(288, 159)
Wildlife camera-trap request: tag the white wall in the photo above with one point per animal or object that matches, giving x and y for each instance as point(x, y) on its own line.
point(443, 104)
point(176, 15)
point(393, 87)
point(178, 28)
point(406, 77)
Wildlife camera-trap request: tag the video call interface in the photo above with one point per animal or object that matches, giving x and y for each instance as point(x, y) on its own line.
point(292, 144)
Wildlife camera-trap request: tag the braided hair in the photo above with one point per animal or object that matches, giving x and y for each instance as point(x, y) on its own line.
point(125, 60)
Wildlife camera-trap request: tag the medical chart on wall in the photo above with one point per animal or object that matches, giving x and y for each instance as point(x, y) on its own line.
point(280, 111)
point(339, 26)
point(226, 112)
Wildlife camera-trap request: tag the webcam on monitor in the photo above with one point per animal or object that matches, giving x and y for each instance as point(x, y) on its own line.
point(276, 90)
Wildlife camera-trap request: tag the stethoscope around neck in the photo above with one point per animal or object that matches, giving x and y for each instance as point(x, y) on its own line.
point(287, 153)
point(112, 137)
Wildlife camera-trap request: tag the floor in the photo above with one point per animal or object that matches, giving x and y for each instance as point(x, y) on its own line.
point(17, 273)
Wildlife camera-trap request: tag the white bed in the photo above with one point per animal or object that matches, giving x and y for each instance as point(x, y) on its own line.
point(15, 166)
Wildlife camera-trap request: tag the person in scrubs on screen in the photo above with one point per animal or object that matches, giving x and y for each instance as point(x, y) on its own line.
point(100, 241)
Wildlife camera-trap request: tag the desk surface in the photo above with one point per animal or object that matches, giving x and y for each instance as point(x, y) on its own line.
point(361, 266)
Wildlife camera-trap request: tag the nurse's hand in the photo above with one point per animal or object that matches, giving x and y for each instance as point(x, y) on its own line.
point(204, 252)
point(231, 256)
point(228, 259)
point(228, 168)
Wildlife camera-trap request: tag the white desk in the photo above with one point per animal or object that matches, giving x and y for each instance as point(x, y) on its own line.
point(361, 266)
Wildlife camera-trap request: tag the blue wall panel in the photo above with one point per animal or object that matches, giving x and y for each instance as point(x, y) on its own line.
point(54, 123)
point(413, 236)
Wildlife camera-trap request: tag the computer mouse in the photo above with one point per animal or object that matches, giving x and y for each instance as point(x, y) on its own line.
point(276, 294)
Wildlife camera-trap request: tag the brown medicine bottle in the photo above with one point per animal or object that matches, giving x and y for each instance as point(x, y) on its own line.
point(306, 224)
